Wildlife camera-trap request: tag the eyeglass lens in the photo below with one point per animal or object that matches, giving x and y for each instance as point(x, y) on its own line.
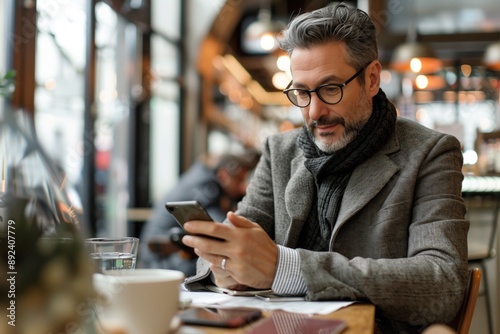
point(331, 94)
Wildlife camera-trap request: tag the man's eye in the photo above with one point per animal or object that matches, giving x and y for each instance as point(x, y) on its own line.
point(300, 93)
point(330, 90)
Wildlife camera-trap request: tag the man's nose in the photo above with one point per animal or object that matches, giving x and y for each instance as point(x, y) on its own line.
point(317, 108)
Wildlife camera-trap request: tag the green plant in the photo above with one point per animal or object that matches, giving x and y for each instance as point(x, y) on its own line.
point(7, 83)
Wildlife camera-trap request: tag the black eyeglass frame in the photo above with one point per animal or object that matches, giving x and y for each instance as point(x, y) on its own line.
point(316, 90)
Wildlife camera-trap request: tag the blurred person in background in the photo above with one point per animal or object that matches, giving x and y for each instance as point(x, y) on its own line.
point(218, 183)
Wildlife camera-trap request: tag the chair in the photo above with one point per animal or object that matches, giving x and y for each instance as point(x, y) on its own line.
point(462, 322)
point(480, 252)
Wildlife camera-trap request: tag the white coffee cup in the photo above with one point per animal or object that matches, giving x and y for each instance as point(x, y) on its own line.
point(137, 301)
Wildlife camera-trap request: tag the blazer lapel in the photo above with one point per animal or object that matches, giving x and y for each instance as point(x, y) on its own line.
point(366, 181)
point(299, 194)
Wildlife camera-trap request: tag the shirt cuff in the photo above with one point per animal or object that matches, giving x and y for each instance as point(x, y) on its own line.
point(288, 279)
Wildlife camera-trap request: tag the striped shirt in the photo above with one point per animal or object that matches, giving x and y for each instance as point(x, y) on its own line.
point(288, 279)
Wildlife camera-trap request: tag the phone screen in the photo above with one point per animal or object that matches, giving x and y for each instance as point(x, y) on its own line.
point(231, 318)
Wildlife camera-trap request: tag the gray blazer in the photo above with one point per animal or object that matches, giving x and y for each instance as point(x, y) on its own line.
point(400, 240)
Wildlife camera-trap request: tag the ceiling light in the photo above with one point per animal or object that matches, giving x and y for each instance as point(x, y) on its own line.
point(260, 35)
point(416, 57)
point(492, 57)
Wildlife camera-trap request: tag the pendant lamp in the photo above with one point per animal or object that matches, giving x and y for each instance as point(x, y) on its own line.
point(414, 56)
point(260, 35)
point(492, 57)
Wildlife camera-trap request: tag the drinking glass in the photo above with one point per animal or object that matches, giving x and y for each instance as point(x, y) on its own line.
point(113, 253)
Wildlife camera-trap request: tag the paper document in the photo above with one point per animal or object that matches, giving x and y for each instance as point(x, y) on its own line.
point(206, 299)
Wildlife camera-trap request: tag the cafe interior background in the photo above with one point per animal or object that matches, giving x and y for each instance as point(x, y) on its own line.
point(126, 94)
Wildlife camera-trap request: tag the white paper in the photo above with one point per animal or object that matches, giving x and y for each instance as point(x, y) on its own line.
point(207, 299)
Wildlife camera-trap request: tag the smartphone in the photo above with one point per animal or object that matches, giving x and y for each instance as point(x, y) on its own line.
point(277, 298)
point(229, 318)
point(187, 210)
point(251, 292)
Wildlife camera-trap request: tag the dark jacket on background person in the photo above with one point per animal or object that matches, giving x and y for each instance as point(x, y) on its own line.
point(198, 183)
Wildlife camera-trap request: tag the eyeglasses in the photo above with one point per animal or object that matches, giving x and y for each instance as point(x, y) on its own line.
point(328, 93)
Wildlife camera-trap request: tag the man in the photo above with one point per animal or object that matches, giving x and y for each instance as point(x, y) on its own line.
point(357, 204)
point(218, 183)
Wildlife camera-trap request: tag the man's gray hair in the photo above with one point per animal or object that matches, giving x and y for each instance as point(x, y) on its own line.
point(335, 22)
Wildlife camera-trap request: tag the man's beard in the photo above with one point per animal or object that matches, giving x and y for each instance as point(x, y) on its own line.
point(351, 131)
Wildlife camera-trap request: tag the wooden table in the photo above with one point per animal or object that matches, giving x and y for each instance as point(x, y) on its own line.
point(360, 320)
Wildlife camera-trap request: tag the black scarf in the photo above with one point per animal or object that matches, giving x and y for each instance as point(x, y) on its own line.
point(332, 171)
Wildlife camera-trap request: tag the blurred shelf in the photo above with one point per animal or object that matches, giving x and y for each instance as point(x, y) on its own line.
point(138, 214)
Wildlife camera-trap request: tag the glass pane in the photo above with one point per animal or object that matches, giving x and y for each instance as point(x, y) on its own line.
point(118, 73)
point(165, 17)
point(59, 104)
point(164, 140)
point(164, 59)
point(165, 117)
point(3, 46)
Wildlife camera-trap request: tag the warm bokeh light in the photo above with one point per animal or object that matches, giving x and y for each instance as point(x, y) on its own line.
point(280, 80)
point(415, 65)
point(471, 96)
point(421, 82)
point(283, 63)
point(423, 96)
point(470, 157)
point(421, 115)
point(267, 41)
point(466, 70)
point(430, 82)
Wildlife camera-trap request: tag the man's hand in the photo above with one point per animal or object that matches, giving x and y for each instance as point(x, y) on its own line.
point(251, 256)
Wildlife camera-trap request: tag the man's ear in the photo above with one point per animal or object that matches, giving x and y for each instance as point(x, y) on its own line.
point(372, 77)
